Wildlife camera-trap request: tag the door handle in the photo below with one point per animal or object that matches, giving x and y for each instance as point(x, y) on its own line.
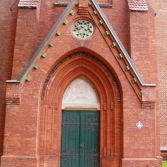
point(81, 146)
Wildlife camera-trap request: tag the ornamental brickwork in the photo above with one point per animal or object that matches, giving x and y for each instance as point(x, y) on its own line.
point(48, 45)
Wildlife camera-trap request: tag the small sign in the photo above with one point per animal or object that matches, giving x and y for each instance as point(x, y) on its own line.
point(139, 125)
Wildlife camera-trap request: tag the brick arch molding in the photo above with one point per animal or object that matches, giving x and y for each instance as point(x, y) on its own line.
point(60, 76)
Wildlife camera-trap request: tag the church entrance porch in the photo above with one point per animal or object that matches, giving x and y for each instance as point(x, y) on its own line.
point(85, 117)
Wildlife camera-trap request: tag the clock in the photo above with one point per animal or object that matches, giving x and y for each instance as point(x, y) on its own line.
point(82, 29)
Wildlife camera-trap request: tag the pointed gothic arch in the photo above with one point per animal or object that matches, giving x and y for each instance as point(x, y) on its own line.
point(63, 73)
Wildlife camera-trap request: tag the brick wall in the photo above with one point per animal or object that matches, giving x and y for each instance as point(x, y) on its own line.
point(22, 119)
point(32, 28)
point(142, 44)
point(160, 9)
point(8, 13)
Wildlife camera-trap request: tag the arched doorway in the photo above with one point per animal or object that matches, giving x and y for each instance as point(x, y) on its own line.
point(98, 76)
point(80, 125)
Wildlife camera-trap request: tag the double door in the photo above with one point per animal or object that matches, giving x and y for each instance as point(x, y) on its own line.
point(80, 139)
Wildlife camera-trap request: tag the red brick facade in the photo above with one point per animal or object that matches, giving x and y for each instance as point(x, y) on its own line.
point(161, 49)
point(38, 75)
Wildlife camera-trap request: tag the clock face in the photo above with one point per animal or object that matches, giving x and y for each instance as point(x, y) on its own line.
point(82, 29)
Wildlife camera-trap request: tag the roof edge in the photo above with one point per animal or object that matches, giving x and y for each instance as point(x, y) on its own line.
point(138, 5)
point(111, 31)
point(121, 47)
point(28, 3)
point(45, 42)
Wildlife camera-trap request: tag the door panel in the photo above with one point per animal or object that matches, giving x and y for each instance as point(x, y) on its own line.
point(70, 142)
point(80, 139)
point(89, 137)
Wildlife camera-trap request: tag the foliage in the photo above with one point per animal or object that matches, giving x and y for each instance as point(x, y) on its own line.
point(164, 164)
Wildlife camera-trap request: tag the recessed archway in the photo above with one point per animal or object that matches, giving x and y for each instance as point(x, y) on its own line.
point(80, 132)
point(67, 71)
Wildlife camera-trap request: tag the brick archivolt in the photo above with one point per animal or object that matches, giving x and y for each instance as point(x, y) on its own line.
point(81, 65)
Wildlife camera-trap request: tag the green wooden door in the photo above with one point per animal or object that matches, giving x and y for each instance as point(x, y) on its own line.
point(80, 139)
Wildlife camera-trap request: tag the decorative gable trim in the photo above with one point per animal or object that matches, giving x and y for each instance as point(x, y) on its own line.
point(120, 45)
point(138, 5)
point(46, 41)
point(110, 37)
